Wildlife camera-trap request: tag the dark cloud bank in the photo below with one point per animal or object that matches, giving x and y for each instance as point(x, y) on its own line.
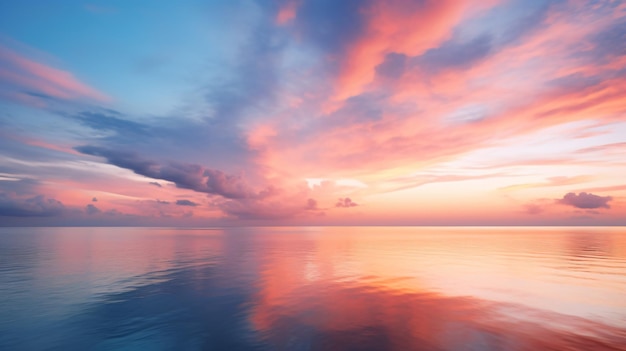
point(37, 206)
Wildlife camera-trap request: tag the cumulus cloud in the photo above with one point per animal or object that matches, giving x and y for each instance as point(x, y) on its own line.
point(91, 209)
point(585, 200)
point(186, 203)
point(156, 184)
point(345, 202)
point(94, 199)
point(37, 206)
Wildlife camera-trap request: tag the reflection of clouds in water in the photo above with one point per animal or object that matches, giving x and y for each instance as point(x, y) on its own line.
point(356, 316)
point(191, 309)
point(184, 313)
point(267, 289)
point(589, 244)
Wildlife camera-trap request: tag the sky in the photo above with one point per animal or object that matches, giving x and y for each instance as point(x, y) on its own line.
point(302, 112)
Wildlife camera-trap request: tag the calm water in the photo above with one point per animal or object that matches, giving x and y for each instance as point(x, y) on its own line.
point(377, 288)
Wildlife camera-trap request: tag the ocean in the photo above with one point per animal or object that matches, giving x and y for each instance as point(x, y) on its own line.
point(313, 288)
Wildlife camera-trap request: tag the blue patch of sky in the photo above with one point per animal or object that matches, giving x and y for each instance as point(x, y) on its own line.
point(146, 55)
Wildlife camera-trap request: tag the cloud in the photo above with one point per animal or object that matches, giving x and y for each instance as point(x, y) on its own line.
point(409, 182)
point(457, 55)
point(551, 182)
point(115, 212)
point(399, 74)
point(513, 83)
point(22, 73)
point(37, 206)
point(92, 209)
point(269, 209)
point(211, 119)
point(186, 203)
point(286, 13)
point(109, 120)
point(617, 148)
point(619, 187)
point(24, 186)
point(331, 25)
point(609, 43)
point(238, 198)
point(401, 27)
point(345, 202)
point(585, 200)
point(311, 204)
point(94, 199)
point(19, 144)
point(186, 176)
point(393, 65)
point(533, 209)
point(229, 186)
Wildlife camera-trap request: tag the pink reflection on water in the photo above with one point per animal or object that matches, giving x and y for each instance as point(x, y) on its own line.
point(446, 288)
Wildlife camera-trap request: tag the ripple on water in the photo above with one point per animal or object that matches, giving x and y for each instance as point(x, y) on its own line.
point(313, 288)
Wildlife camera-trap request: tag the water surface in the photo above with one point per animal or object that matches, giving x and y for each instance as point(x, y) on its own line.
point(335, 288)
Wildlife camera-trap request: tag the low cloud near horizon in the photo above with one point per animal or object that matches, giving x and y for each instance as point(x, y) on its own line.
point(585, 200)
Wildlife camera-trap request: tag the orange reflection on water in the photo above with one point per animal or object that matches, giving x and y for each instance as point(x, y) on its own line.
point(443, 288)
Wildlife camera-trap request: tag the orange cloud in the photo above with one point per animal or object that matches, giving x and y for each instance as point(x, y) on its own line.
point(399, 26)
point(545, 79)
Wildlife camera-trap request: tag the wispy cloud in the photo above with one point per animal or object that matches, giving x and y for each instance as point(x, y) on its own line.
point(20, 75)
point(509, 101)
point(551, 182)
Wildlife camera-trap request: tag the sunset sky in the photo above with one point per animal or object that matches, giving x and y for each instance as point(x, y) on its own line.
point(320, 112)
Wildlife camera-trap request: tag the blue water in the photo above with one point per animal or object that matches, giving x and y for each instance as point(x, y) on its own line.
point(336, 288)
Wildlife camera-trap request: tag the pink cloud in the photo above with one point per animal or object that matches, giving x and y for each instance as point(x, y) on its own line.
point(585, 200)
point(523, 86)
point(345, 202)
point(403, 27)
point(286, 13)
point(26, 74)
point(520, 95)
